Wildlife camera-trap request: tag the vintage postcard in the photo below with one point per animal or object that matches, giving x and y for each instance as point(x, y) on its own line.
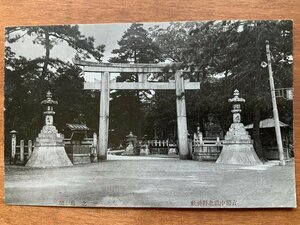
point(173, 114)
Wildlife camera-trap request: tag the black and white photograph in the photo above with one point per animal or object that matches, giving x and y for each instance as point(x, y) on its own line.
point(190, 114)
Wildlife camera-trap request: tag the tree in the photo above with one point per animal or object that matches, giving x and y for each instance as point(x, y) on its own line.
point(136, 47)
point(127, 112)
point(48, 36)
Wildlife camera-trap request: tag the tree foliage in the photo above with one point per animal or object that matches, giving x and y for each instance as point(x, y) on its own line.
point(225, 55)
point(136, 47)
point(49, 36)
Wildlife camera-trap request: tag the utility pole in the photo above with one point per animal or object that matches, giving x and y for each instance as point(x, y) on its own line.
point(274, 104)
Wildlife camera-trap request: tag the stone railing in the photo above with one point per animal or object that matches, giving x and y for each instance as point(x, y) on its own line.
point(162, 147)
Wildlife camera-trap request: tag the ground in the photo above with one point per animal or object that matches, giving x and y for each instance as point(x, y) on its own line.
point(153, 181)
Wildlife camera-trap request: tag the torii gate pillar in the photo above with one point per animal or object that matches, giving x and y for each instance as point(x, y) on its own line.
point(181, 116)
point(104, 116)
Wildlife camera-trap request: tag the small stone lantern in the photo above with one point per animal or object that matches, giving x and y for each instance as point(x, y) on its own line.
point(131, 144)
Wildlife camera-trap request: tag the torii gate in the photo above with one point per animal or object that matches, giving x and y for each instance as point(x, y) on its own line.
point(105, 85)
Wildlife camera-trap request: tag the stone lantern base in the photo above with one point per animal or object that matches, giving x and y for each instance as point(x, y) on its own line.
point(129, 150)
point(49, 150)
point(238, 147)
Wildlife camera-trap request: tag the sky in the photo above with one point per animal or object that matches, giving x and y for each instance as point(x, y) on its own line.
point(107, 34)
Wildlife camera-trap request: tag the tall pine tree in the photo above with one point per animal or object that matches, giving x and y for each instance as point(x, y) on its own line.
point(127, 108)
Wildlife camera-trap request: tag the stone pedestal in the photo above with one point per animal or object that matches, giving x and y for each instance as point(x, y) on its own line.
point(49, 150)
point(129, 150)
point(238, 147)
point(144, 150)
point(172, 150)
point(206, 153)
point(78, 154)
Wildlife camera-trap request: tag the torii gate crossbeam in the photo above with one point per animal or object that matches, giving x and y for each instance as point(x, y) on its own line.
point(105, 85)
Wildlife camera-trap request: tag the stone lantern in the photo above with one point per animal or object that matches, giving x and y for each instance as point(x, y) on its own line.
point(131, 144)
point(237, 146)
point(49, 150)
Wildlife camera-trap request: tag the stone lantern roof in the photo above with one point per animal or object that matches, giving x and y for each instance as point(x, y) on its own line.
point(130, 135)
point(49, 100)
point(236, 98)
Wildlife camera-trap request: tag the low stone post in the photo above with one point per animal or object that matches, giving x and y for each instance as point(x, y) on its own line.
point(22, 145)
point(218, 143)
point(94, 140)
point(94, 148)
point(13, 146)
point(29, 149)
point(200, 135)
point(144, 150)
